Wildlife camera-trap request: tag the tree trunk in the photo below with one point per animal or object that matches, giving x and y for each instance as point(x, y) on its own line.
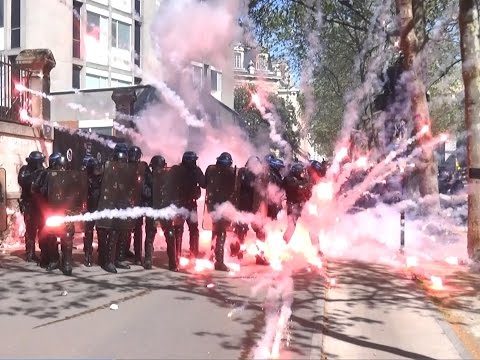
point(409, 44)
point(470, 49)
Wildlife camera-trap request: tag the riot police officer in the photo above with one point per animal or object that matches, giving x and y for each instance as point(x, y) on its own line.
point(275, 192)
point(252, 188)
point(134, 157)
point(316, 171)
point(49, 256)
point(298, 190)
point(28, 204)
point(189, 179)
point(109, 231)
point(221, 187)
point(64, 191)
point(94, 173)
point(158, 191)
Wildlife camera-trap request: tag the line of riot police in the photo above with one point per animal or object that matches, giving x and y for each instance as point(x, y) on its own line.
point(125, 182)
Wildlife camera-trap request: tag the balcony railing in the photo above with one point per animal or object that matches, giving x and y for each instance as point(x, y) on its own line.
point(12, 100)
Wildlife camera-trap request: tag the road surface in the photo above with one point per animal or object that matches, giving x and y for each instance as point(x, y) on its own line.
point(372, 313)
point(160, 314)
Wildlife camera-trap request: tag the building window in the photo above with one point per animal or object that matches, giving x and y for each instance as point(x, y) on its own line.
point(120, 35)
point(15, 24)
point(262, 62)
point(238, 60)
point(137, 7)
point(76, 70)
point(137, 81)
point(119, 83)
point(214, 80)
point(197, 76)
point(95, 82)
point(93, 25)
point(1, 14)
point(76, 29)
point(137, 42)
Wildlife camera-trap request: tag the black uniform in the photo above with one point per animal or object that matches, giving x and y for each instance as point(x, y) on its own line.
point(159, 191)
point(221, 187)
point(134, 156)
point(94, 174)
point(274, 203)
point(252, 188)
point(29, 205)
point(121, 189)
point(298, 190)
point(65, 192)
point(189, 180)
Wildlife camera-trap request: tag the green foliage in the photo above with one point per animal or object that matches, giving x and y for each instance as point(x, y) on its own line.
point(286, 27)
point(256, 127)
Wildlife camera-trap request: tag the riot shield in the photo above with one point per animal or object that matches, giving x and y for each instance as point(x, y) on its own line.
point(121, 189)
point(222, 185)
point(3, 200)
point(162, 187)
point(67, 193)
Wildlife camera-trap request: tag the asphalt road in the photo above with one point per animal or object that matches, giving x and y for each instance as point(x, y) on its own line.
point(372, 312)
point(160, 314)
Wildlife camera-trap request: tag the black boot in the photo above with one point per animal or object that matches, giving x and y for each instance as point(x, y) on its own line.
point(88, 245)
point(102, 245)
point(53, 254)
point(30, 250)
point(137, 246)
point(178, 243)
point(67, 255)
point(110, 252)
point(220, 251)
point(147, 264)
point(171, 250)
point(121, 259)
point(44, 253)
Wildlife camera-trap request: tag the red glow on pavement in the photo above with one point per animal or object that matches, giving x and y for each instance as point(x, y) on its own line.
point(202, 265)
point(184, 261)
point(437, 283)
point(452, 260)
point(412, 261)
point(54, 221)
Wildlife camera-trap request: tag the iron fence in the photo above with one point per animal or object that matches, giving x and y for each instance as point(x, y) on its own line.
point(14, 100)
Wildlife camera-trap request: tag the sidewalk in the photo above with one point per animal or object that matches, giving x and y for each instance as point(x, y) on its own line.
point(458, 298)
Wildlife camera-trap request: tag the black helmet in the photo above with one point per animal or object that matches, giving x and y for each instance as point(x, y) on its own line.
point(60, 163)
point(120, 156)
point(35, 157)
point(297, 169)
point(189, 158)
point(86, 160)
point(134, 154)
point(53, 158)
point(120, 148)
point(225, 159)
point(158, 162)
point(277, 164)
point(319, 167)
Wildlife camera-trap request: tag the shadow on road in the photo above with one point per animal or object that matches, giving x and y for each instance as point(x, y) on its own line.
point(28, 290)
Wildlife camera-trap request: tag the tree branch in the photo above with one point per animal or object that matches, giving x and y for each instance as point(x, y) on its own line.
point(354, 27)
point(444, 73)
